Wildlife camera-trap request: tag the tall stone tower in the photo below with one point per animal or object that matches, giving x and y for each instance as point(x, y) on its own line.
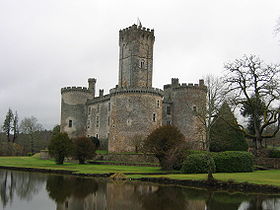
point(136, 57)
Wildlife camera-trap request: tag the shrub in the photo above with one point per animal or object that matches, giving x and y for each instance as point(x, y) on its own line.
point(84, 149)
point(60, 147)
point(233, 161)
point(274, 154)
point(198, 163)
point(162, 142)
point(95, 141)
point(11, 149)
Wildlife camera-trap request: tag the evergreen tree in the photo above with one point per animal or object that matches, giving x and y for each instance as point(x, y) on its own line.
point(225, 134)
point(7, 126)
point(15, 127)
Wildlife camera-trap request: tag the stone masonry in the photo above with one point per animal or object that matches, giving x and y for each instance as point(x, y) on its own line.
point(133, 108)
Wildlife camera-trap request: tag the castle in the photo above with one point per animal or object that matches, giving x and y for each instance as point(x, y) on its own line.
point(133, 108)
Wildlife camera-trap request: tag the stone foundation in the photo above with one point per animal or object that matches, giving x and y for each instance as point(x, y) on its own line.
point(134, 158)
point(269, 162)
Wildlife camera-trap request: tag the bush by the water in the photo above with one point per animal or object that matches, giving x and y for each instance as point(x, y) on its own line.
point(60, 147)
point(198, 163)
point(229, 161)
point(233, 161)
point(84, 149)
point(274, 153)
point(165, 142)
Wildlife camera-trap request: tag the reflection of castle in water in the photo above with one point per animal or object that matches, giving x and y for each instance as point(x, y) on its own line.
point(109, 195)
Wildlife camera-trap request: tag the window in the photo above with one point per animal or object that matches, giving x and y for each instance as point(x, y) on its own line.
point(158, 103)
point(97, 121)
point(194, 108)
point(168, 110)
point(108, 121)
point(97, 109)
point(109, 106)
point(154, 117)
point(88, 124)
point(142, 64)
point(89, 110)
point(96, 135)
point(70, 123)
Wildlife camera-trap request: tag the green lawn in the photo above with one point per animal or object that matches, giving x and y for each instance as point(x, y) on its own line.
point(271, 177)
point(33, 162)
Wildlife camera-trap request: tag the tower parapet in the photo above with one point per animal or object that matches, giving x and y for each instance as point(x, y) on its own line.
point(153, 91)
point(74, 89)
point(176, 85)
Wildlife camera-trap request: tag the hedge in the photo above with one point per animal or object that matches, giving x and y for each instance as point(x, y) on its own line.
point(229, 161)
point(233, 161)
point(274, 154)
point(198, 163)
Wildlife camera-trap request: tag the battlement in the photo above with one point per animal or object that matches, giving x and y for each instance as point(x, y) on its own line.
point(99, 99)
point(176, 85)
point(132, 31)
point(74, 88)
point(150, 90)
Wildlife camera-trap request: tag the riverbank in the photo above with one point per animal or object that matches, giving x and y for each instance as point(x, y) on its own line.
point(258, 181)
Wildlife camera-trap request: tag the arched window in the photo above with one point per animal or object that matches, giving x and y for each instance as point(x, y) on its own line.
point(70, 123)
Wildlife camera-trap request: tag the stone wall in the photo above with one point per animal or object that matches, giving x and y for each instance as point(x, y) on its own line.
point(269, 162)
point(134, 158)
point(133, 114)
point(98, 118)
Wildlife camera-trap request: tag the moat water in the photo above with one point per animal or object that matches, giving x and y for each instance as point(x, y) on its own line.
point(37, 191)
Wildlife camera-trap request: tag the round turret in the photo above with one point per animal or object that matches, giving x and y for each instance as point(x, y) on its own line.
point(182, 102)
point(74, 110)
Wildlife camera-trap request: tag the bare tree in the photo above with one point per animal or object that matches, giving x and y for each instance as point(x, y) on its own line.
point(29, 126)
point(207, 112)
point(256, 90)
point(7, 126)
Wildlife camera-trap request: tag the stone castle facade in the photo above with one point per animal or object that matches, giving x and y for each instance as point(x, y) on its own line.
point(133, 108)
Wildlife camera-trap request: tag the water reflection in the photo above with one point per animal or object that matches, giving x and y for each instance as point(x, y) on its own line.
point(72, 193)
point(19, 184)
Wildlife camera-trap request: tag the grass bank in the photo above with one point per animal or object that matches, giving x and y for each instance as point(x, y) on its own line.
point(267, 177)
point(33, 162)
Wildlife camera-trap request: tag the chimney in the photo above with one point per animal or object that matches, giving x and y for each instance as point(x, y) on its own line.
point(91, 86)
point(101, 92)
point(201, 82)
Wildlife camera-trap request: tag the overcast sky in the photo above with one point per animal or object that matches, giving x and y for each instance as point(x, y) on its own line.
point(46, 45)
